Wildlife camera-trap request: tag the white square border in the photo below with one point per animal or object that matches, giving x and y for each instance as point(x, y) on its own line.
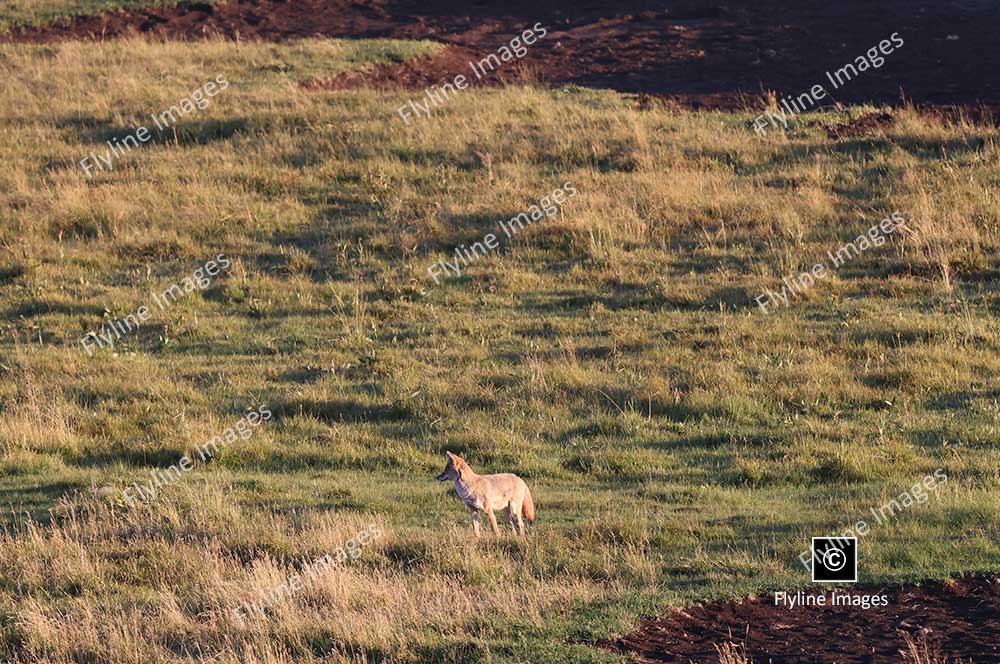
point(812, 557)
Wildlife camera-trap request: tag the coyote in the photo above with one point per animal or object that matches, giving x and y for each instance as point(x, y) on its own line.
point(504, 491)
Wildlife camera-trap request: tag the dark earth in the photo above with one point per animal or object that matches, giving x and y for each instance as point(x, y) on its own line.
point(958, 618)
point(697, 54)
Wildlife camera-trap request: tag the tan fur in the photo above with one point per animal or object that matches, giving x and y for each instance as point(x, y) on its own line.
point(485, 493)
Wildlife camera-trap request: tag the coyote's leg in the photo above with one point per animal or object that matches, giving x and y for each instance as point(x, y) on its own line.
point(517, 518)
point(510, 517)
point(475, 521)
point(493, 521)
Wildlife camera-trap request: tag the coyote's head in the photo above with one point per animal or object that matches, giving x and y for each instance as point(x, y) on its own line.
point(452, 469)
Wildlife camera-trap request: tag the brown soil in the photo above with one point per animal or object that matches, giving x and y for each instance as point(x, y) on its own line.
point(699, 53)
point(960, 618)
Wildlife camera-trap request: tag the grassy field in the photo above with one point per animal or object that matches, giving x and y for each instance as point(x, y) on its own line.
point(681, 444)
point(38, 12)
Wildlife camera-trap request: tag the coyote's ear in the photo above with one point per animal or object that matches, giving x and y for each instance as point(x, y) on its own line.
point(448, 455)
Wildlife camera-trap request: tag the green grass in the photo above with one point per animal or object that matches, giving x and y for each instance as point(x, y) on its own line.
point(38, 12)
point(680, 444)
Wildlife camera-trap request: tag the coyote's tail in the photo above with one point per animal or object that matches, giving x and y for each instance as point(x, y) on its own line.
point(528, 506)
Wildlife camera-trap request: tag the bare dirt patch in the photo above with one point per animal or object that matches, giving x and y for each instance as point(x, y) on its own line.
point(961, 618)
point(701, 54)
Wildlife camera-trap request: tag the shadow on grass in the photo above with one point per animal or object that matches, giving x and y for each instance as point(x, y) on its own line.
point(334, 216)
point(33, 500)
point(963, 400)
point(626, 297)
point(141, 460)
point(302, 375)
point(918, 147)
point(331, 500)
point(33, 308)
point(339, 411)
point(90, 129)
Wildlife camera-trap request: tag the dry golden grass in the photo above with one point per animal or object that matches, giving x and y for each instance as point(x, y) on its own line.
point(731, 653)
